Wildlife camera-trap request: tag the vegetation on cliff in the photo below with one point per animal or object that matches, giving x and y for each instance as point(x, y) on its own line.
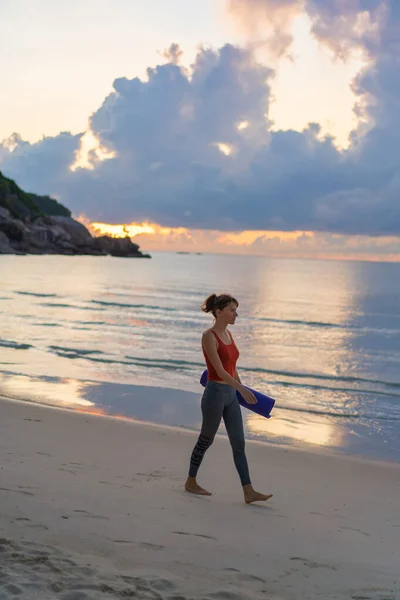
point(21, 204)
point(32, 224)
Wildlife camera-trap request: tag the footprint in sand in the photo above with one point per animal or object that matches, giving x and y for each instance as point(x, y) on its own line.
point(224, 595)
point(67, 471)
point(154, 475)
point(244, 577)
point(199, 535)
point(312, 564)
point(24, 492)
point(376, 595)
point(89, 515)
point(50, 572)
point(149, 546)
point(248, 578)
point(357, 530)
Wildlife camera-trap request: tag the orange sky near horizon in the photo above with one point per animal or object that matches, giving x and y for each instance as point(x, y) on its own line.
point(279, 244)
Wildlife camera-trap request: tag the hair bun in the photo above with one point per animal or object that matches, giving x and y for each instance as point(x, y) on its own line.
point(214, 302)
point(210, 303)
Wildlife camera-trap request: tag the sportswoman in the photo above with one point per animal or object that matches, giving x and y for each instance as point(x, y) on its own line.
point(219, 398)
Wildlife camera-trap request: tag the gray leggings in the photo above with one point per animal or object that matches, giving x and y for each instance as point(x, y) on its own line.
point(220, 401)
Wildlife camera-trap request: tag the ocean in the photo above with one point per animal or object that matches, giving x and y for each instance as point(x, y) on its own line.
point(321, 337)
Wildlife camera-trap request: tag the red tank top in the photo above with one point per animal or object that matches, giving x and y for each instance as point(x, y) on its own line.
point(228, 354)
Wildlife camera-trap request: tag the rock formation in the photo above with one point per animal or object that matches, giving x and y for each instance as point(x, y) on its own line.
point(31, 224)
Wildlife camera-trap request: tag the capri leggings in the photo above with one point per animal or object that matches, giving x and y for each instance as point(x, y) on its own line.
point(220, 401)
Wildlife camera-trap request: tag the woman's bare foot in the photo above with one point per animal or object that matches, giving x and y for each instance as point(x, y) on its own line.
point(250, 495)
point(193, 487)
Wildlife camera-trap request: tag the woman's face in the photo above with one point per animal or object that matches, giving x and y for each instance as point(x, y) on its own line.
point(228, 314)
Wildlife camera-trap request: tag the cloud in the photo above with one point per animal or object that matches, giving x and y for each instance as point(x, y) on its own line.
point(173, 54)
point(348, 25)
point(181, 156)
point(328, 246)
point(266, 22)
point(43, 166)
point(342, 25)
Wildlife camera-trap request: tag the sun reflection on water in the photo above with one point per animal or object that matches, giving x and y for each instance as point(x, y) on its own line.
point(314, 430)
point(65, 392)
point(311, 308)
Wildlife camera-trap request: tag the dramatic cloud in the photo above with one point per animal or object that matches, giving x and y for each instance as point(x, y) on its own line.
point(343, 25)
point(195, 148)
point(44, 166)
point(266, 22)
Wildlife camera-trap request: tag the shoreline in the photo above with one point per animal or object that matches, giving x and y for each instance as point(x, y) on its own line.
point(221, 434)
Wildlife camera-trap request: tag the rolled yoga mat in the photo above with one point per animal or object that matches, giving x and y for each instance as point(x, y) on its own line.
point(264, 403)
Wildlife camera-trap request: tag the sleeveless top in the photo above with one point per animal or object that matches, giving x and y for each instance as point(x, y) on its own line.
point(228, 354)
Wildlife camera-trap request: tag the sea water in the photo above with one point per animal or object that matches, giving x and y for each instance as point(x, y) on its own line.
point(321, 337)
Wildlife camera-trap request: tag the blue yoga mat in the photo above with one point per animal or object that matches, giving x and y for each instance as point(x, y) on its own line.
point(264, 403)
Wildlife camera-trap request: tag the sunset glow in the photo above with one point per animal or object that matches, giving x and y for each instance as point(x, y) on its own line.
point(286, 244)
point(119, 231)
point(90, 152)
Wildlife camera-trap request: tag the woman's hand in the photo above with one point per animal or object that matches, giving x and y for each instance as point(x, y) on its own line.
point(248, 396)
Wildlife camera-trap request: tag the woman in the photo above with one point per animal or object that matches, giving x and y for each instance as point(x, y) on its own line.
point(219, 399)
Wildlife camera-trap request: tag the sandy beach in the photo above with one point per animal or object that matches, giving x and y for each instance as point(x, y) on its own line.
point(94, 507)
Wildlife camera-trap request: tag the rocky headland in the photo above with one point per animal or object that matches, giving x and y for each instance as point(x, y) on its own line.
point(32, 224)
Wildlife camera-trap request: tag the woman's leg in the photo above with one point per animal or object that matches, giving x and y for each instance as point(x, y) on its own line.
point(234, 427)
point(212, 406)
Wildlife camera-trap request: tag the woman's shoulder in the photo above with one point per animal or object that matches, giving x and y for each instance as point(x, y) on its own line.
point(208, 334)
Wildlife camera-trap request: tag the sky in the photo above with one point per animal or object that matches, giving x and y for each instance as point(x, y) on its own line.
point(244, 126)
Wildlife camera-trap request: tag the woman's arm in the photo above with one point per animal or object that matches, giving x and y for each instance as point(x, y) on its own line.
point(237, 376)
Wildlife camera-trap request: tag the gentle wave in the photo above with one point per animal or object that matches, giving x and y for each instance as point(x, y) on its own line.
point(36, 294)
point(344, 378)
point(192, 317)
point(170, 364)
point(83, 356)
point(307, 323)
point(341, 415)
point(124, 305)
point(90, 322)
point(80, 351)
point(65, 305)
point(332, 389)
point(280, 406)
point(166, 364)
point(15, 345)
point(326, 325)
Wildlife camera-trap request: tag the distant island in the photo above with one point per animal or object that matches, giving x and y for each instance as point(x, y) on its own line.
point(32, 224)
